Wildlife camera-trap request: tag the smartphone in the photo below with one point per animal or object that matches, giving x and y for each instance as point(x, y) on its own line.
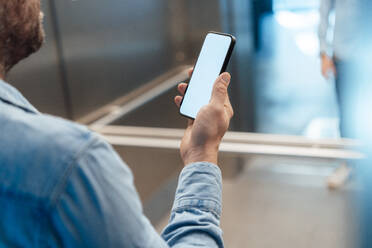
point(212, 61)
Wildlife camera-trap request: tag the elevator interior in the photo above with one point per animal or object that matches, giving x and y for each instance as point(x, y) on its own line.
point(102, 56)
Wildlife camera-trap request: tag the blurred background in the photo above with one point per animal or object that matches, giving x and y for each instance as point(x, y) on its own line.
point(114, 65)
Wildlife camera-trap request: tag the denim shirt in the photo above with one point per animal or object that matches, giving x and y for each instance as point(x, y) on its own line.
point(62, 185)
point(342, 42)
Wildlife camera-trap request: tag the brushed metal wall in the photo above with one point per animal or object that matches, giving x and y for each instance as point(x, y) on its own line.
point(97, 51)
point(111, 47)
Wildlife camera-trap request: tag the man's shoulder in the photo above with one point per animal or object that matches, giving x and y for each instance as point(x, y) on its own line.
point(37, 152)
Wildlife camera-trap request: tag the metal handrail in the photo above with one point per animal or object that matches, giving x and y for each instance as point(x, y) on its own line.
point(233, 137)
point(238, 148)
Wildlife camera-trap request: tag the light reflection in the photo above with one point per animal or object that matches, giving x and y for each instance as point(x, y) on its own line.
point(303, 26)
point(308, 43)
point(299, 20)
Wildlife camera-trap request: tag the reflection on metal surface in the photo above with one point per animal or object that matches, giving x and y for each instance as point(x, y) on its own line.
point(142, 96)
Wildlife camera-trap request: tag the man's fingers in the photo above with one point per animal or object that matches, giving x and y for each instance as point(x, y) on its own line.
point(182, 88)
point(178, 100)
point(190, 123)
point(219, 93)
point(190, 71)
point(229, 107)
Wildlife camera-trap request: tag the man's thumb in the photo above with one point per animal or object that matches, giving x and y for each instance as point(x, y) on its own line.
point(219, 92)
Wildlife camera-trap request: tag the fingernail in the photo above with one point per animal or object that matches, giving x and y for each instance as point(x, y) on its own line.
point(226, 77)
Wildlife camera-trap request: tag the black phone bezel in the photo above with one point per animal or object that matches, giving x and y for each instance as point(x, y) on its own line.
point(224, 66)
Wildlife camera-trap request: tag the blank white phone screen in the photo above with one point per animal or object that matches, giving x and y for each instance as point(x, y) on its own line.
point(206, 71)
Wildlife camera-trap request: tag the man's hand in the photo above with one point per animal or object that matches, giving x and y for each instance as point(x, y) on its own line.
point(327, 66)
point(203, 135)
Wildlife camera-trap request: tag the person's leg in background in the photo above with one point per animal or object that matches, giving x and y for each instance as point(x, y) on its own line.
point(344, 89)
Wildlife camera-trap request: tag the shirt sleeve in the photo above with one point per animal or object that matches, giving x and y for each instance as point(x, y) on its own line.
point(324, 11)
point(195, 216)
point(98, 206)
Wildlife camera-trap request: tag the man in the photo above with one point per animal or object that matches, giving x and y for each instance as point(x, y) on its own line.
point(62, 185)
point(337, 48)
point(336, 58)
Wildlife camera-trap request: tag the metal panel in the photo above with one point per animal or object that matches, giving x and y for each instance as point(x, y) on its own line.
point(160, 112)
point(111, 47)
point(38, 77)
point(201, 17)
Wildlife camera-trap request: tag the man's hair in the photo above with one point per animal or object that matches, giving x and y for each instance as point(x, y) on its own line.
point(21, 32)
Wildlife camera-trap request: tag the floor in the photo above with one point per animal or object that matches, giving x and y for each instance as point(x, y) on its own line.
point(281, 203)
point(286, 204)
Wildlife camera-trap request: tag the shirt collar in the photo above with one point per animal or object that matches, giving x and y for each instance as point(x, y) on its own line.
point(11, 95)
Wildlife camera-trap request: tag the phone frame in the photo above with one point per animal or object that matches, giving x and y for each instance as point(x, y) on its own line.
point(224, 66)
